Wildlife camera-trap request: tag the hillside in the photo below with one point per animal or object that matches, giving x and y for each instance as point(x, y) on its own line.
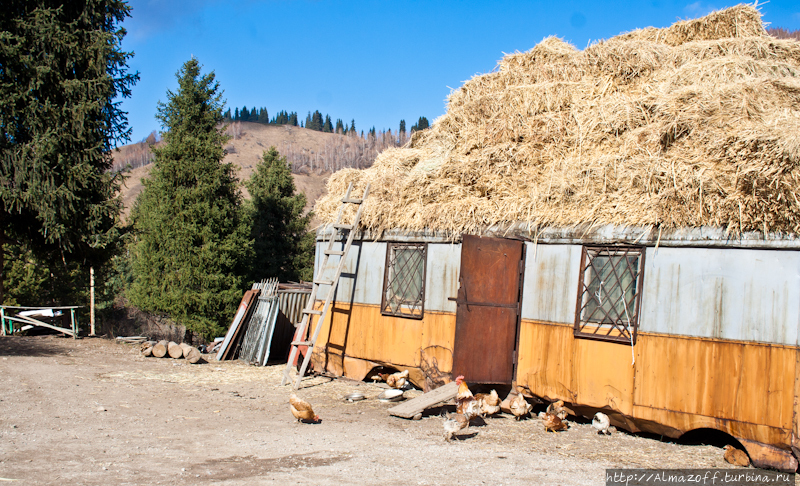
point(245, 151)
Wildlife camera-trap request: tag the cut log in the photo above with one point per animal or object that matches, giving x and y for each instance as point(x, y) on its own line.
point(160, 349)
point(174, 350)
point(191, 353)
point(147, 351)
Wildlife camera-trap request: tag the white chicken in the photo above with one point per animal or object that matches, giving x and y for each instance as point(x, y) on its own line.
point(601, 423)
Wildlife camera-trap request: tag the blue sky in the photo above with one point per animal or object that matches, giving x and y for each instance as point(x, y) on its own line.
point(373, 61)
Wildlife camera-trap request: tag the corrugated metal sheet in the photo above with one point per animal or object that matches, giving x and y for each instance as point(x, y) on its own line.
point(551, 282)
point(747, 295)
point(292, 302)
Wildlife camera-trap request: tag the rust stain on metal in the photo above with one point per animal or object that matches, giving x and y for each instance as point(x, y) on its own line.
point(747, 390)
point(488, 307)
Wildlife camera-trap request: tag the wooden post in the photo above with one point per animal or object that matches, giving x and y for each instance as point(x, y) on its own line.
point(3, 319)
point(74, 324)
point(91, 301)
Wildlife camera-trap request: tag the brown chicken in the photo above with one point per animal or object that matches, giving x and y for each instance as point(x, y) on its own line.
point(552, 423)
point(520, 407)
point(557, 409)
point(489, 403)
point(736, 457)
point(395, 380)
point(302, 410)
point(466, 404)
point(454, 423)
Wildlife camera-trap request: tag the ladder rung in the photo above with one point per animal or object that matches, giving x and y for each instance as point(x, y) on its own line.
point(312, 311)
point(351, 200)
point(334, 252)
point(343, 226)
point(323, 282)
point(302, 343)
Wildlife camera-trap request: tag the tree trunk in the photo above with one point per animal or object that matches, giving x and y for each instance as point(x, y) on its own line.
point(160, 349)
point(191, 353)
point(174, 350)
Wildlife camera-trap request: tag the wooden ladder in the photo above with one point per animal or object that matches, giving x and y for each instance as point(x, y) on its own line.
point(338, 229)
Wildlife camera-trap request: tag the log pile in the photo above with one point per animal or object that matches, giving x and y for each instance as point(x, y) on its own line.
point(161, 349)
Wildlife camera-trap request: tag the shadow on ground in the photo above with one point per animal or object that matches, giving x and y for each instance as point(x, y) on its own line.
point(33, 346)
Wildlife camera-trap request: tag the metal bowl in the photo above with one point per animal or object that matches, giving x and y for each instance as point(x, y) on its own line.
point(354, 397)
point(391, 395)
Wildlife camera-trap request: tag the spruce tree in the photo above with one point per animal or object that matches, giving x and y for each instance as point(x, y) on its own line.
point(283, 246)
point(192, 247)
point(316, 121)
point(402, 126)
point(327, 127)
point(263, 116)
point(62, 75)
point(421, 124)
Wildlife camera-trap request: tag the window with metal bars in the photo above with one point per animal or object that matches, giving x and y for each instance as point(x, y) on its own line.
point(609, 293)
point(404, 280)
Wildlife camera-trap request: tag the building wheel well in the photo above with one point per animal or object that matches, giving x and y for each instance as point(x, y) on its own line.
point(379, 369)
point(712, 437)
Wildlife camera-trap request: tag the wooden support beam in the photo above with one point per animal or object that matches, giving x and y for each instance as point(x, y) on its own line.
point(418, 405)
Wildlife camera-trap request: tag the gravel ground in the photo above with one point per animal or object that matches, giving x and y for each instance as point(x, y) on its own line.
point(94, 411)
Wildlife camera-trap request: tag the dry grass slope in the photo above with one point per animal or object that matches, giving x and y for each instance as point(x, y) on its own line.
point(691, 125)
point(245, 152)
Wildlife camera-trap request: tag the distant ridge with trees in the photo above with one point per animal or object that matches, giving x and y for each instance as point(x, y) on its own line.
point(781, 33)
point(353, 149)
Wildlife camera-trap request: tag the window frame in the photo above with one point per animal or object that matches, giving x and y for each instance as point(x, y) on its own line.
point(385, 308)
point(613, 331)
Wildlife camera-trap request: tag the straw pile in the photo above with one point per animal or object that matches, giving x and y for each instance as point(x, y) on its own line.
point(695, 124)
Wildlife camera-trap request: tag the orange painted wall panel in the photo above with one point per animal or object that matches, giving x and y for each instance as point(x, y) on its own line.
point(544, 364)
point(728, 380)
point(604, 375)
point(362, 332)
point(746, 389)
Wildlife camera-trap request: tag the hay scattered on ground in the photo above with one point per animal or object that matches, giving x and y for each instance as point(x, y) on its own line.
point(695, 124)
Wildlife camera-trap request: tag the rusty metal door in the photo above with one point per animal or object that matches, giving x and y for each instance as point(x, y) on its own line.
point(487, 312)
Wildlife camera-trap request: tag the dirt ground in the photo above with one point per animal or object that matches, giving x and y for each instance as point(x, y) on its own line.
point(94, 411)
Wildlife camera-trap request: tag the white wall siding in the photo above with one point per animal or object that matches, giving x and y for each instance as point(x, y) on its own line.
point(367, 258)
point(551, 282)
point(749, 295)
point(441, 276)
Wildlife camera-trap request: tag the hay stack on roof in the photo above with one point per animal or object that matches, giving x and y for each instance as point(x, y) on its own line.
point(692, 125)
